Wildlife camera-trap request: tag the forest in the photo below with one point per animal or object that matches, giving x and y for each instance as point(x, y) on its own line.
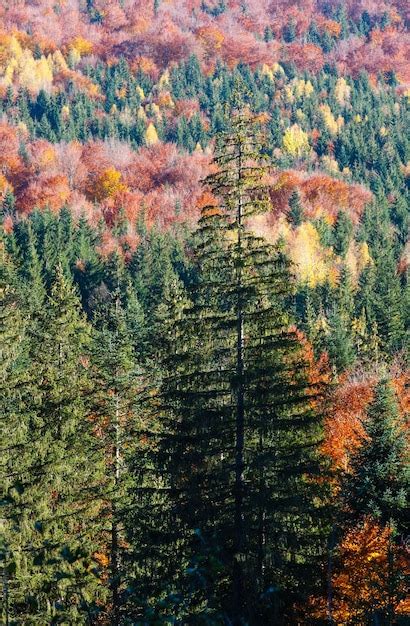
point(204, 321)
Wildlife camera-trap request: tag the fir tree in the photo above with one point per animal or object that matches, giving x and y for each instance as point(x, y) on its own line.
point(295, 209)
point(377, 484)
point(54, 490)
point(113, 405)
point(239, 411)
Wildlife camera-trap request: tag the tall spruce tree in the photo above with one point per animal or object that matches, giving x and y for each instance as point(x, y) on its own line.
point(53, 473)
point(239, 449)
point(13, 350)
point(115, 379)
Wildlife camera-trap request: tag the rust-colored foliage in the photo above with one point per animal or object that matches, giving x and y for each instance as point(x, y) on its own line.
point(154, 39)
point(348, 405)
point(367, 579)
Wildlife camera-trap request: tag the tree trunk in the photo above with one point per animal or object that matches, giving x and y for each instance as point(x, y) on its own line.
point(240, 419)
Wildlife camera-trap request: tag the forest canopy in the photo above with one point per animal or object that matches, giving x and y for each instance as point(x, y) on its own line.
point(204, 263)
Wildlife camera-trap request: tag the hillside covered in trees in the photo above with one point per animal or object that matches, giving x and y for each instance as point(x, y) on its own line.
point(204, 329)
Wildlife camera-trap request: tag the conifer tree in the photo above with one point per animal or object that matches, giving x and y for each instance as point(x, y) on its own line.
point(13, 350)
point(239, 412)
point(54, 471)
point(115, 378)
point(377, 486)
point(378, 482)
point(295, 209)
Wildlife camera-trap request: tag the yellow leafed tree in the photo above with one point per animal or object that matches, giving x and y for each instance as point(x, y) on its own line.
point(151, 135)
point(342, 91)
point(314, 264)
point(296, 141)
point(107, 185)
point(332, 124)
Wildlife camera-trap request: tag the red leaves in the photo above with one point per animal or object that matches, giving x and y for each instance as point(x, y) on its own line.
point(306, 57)
point(330, 195)
point(154, 40)
point(321, 195)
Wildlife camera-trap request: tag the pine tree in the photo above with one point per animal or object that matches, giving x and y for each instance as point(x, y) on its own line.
point(295, 209)
point(378, 482)
point(240, 425)
point(54, 491)
point(377, 486)
point(13, 349)
point(115, 378)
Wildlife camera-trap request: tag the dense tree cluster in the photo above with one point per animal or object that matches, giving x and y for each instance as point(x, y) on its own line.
point(204, 296)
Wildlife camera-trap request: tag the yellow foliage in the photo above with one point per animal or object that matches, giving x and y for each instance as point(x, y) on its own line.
point(364, 257)
point(332, 124)
point(163, 82)
point(108, 184)
point(277, 68)
point(313, 262)
point(302, 88)
point(141, 114)
point(59, 62)
point(342, 91)
point(5, 186)
point(82, 46)
point(121, 93)
point(140, 92)
point(267, 71)
point(296, 141)
point(18, 65)
point(15, 48)
point(35, 74)
point(198, 147)
point(151, 135)
point(155, 110)
point(357, 258)
point(22, 128)
point(289, 93)
point(330, 164)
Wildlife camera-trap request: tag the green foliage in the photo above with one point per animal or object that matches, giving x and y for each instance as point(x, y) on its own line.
point(378, 482)
point(236, 410)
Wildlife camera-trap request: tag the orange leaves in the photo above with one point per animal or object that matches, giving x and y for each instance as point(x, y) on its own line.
point(325, 195)
point(45, 191)
point(343, 425)
point(102, 559)
point(5, 186)
point(321, 195)
point(306, 57)
point(348, 406)
point(211, 38)
point(367, 577)
point(9, 149)
point(364, 580)
point(329, 26)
